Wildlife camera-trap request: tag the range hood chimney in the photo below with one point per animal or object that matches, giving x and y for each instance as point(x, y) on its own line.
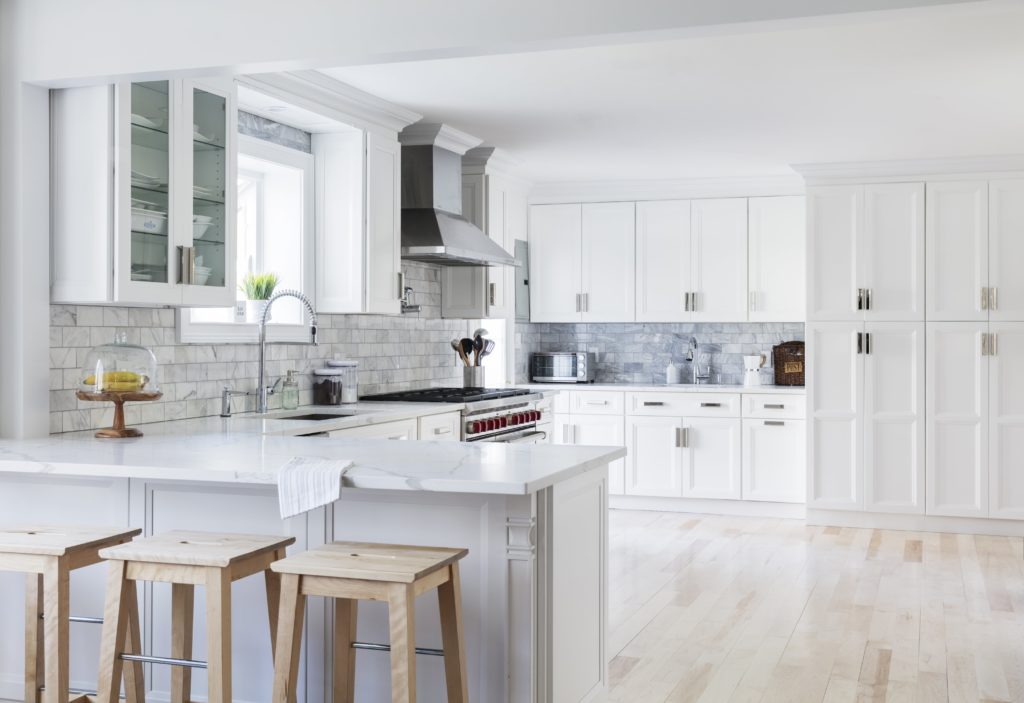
point(433, 228)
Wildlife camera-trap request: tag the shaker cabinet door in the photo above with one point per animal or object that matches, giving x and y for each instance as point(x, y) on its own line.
point(776, 277)
point(663, 281)
point(892, 251)
point(556, 242)
point(774, 463)
point(833, 243)
point(1006, 420)
point(654, 460)
point(718, 234)
point(711, 457)
point(607, 262)
point(1006, 250)
point(957, 250)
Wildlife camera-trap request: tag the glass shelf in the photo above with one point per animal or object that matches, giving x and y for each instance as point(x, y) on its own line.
point(204, 145)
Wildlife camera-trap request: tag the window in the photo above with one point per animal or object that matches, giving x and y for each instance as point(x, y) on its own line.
point(274, 235)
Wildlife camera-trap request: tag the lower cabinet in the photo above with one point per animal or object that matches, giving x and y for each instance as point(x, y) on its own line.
point(441, 428)
point(600, 430)
point(399, 429)
point(774, 460)
point(654, 456)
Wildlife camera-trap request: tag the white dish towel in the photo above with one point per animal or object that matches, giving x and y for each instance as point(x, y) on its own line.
point(307, 482)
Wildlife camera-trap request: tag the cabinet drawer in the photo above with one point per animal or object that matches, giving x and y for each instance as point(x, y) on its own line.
point(763, 405)
point(683, 404)
point(597, 402)
point(559, 402)
point(441, 427)
point(400, 429)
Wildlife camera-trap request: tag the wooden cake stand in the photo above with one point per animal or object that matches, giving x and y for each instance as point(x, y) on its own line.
point(119, 398)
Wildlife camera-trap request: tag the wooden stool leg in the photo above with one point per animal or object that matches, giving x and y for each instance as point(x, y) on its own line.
point(134, 679)
point(273, 583)
point(345, 615)
point(449, 597)
point(182, 616)
point(402, 618)
point(56, 650)
point(289, 639)
point(115, 628)
point(218, 634)
point(33, 637)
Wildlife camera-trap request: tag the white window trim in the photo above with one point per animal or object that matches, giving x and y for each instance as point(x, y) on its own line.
point(244, 333)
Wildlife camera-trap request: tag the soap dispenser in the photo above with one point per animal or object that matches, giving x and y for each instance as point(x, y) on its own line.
point(290, 392)
point(672, 375)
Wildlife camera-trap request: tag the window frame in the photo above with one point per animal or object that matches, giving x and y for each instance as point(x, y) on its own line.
point(190, 332)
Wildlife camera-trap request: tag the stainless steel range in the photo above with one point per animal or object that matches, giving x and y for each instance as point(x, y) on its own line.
point(489, 415)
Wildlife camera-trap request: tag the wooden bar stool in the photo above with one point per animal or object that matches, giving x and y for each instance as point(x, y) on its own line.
point(48, 554)
point(354, 571)
point(185, 560)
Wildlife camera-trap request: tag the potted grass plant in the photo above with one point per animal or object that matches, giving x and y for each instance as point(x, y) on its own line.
point(257, 287)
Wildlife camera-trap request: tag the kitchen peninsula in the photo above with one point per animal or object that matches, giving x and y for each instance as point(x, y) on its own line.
point(533, 517)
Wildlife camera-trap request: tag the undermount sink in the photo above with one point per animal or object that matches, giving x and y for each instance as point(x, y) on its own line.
point(314, 417)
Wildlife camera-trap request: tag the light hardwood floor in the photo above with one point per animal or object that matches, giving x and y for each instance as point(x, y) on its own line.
point(709, 608)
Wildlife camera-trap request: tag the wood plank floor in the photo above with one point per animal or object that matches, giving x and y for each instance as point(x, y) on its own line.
point(710, 608)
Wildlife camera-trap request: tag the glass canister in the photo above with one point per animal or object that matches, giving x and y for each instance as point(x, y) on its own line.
point(119, 368)
point(327, 386)
point(349, 369)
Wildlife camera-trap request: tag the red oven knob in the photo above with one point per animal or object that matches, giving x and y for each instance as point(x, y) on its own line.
point(472, 427)
point(504, 422)
point(513, 419)
point(534, 415)
point(537, 413)
point(492, 424)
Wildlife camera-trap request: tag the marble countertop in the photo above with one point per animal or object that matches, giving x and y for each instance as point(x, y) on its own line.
point(678, 388)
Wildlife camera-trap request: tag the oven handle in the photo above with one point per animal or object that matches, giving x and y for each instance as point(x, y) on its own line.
point(531, 438)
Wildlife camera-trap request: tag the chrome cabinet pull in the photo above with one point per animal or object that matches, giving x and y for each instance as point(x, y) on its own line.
point(679, 438)
point(993, 298)
point(579, 305)
point(686, 301)
point(491, 291)
point(774, 406)
point(993, 344)
point(401, 285)
point(652, 403)
point(774, 423)
point(693, 302)
point(442, 430)
point(586, 302)
point(860, 343)
point(984, 344)
point(984, 298)
point(711, 405)
point(867, 343)
point(860, 298)
point(686, 438)
point(867, 298)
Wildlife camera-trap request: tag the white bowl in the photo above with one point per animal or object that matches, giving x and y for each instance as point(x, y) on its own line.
point(199, 229)
point(202, 277)
point(149, 221)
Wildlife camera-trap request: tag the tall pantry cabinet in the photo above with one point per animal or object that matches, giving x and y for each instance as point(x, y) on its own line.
point(915, 336)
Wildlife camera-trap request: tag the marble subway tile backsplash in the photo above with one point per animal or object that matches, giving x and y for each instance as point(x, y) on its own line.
point(394, 353)
point(640, 352)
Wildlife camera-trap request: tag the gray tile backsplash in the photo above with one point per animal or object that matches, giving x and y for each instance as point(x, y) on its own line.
point(640, 352)
point(394, 353)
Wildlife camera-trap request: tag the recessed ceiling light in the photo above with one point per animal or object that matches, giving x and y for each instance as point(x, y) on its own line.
point(277, 108)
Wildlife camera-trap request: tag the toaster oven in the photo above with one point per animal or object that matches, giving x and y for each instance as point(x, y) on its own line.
point(562, 367)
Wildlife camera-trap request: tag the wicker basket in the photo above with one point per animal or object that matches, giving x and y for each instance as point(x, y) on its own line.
point(789, 362)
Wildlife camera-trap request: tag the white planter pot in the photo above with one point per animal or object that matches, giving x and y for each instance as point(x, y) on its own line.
point(253, 310)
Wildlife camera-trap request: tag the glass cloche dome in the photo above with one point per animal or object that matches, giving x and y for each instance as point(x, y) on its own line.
point(120, 368)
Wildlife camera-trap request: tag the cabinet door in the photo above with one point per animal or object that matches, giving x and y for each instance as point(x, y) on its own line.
point(775, 460)
point(719, 269)
point(835, 383)
point(662, 261)
point(957, 410)
point(499, 205)
point(711, 457)
point(209, 208)
point(1006, 420)
point(957, 250)
point(776, 275)
point(441, 428)
point(606, 431)
point(556, 240)
point(383, 225)
point(892, 251)
point(894, 417)
point(1006, 249)
point(609, 244)
point(833, 223)
point(654, 460)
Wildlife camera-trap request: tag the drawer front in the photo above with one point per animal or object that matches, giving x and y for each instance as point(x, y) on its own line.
point(764, 405)
point(442, 428)
point(400, 429)
point(683, 404)
point(597, 402)
point(557, 403)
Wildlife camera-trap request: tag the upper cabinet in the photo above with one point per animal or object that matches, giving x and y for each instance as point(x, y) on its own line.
point(156, 228)
point(866, 252)
point(663, 280)
point(581, 262)
point(358, 223)
point(776, 238)
point(975, 243)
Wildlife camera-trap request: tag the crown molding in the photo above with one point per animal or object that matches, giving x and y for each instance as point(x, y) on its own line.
point(492, 161)
point(849, 171)
point(439, 135)
point(320, 93)
point(674, 189)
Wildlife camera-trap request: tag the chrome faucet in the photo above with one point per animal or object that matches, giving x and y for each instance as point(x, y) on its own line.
point(261, 384)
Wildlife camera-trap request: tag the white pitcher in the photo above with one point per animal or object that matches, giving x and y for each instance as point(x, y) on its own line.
point(752, 369)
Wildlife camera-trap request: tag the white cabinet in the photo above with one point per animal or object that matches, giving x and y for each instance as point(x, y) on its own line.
point(774, 460)
point(143, 193)
point(556, 241)
point(581, 262)
point(958, 387)
point(718, 233)
point(691, 260)
point(398, 429)
point(440, 428)
point(654, 459)
point(776, 240)
point(497, 205)
point(866, 254)
point(596, 430)
point(1006, 420)
point(957, 244)
point(358, 223)
point(1006, 249)
point(711, 457)
point(866, 395)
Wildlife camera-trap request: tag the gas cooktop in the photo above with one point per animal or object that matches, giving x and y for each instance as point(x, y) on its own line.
point(448, 395)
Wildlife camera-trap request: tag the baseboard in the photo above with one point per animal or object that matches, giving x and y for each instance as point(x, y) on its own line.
point(916, 523)
point(749, 508)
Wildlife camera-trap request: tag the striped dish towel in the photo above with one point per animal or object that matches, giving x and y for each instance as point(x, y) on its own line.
point(305, 483)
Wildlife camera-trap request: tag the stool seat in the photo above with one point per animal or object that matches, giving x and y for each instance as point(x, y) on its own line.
point(59, 540)
point(393, 563)
point(186, 548)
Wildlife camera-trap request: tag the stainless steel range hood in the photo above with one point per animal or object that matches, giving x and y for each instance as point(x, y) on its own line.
point(433, 228)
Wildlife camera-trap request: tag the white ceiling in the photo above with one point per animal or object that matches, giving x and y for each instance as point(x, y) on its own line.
point(935, 85)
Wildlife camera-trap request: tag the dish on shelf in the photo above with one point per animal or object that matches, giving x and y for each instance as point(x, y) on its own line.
point(148, 221)
point(150, 123)
point(206, 192)
point(199, 229)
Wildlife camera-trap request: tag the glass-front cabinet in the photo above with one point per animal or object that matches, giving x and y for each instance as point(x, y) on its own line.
point(159, 228)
